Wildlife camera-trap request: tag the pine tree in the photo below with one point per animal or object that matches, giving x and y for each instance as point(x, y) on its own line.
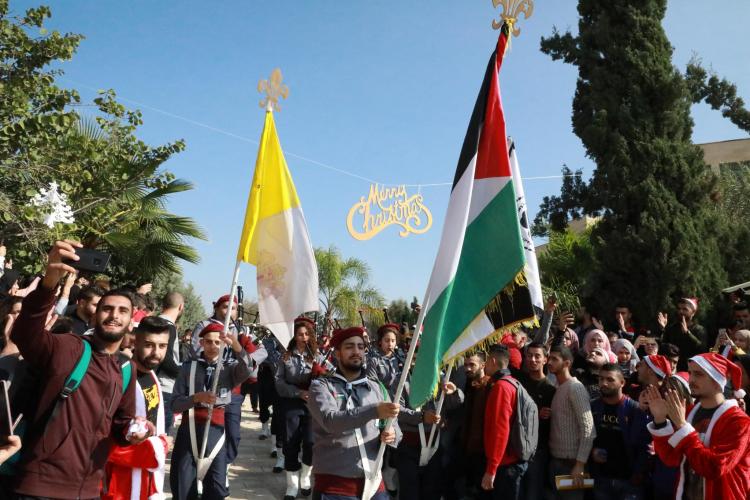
point(658, 237)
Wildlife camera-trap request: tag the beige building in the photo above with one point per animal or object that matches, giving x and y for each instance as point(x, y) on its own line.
point(732, 151)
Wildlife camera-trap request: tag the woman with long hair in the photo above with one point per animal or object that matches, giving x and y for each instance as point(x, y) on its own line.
point(296, 370)
point(386, 362)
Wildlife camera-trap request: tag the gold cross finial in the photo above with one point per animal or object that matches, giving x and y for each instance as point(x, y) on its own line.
point(511, 10)
point(273, 89)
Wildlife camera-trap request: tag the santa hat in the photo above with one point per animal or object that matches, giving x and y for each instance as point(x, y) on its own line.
point(684, 379)
point(339, 336)
point(659, 364)
point(719, 369)
point(306, 322)
point(211, 327)
point(222, 299)
point(691, 301)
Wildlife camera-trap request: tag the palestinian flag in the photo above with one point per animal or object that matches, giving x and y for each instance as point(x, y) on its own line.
point(478, 287)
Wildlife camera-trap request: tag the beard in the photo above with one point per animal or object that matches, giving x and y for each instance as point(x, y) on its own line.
point(352, 364)
point(115, 336)
point(608, 393)
point(150, 362)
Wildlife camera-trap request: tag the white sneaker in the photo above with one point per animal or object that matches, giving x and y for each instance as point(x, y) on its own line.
point(265, 431)
point(292, 485)
point(279, 463)
point(305, 485)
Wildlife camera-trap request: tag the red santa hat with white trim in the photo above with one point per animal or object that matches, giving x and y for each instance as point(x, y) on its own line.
point(691, 301)
point(720, 369)
point(659, 364)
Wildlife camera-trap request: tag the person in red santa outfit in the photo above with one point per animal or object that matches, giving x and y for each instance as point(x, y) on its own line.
point(711, 443)
point(137, 472)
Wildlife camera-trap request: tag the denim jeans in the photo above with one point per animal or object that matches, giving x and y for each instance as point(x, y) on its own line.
point(619, 489)
point(534, 482)
point(507, 485)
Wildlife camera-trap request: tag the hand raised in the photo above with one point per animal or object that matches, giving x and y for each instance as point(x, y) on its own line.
point(56, 268)
point(662, 318)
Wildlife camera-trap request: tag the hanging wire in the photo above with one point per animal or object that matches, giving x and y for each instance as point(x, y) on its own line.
point(287, 152)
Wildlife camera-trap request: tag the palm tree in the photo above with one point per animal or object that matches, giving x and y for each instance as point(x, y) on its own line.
point(127, 212)
point(344, 287)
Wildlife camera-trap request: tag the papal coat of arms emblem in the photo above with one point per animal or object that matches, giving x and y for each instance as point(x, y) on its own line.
point(270, 275)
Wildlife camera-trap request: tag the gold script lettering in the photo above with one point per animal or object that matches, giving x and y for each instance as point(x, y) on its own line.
point(388, 206)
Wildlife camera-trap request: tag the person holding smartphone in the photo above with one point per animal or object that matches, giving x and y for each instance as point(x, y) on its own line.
point(64, 455)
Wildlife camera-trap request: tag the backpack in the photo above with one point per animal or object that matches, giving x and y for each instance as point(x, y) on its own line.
point(25, 394)
point(524, 426)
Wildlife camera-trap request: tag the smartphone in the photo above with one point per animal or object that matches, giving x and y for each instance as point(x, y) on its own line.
point(89, 259)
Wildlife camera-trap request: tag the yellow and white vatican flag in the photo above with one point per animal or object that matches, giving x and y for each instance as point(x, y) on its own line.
point(275, 240)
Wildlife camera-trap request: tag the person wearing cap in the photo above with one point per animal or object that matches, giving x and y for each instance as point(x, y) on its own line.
point(685, 333)
point(348, 410)
point(386, 361)
point(710, 441)
point(233, 411)
point(298, 366)
point(221, 308)
point(192, 396)
point(655, 371)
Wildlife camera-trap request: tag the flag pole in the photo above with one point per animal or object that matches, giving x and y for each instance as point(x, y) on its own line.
point(202, 463)
point(372, 480)
point(426, 456)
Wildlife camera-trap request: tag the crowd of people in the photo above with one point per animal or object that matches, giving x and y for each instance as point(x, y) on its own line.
point(104, 386)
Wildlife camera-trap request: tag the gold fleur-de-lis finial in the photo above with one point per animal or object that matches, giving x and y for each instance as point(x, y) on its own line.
point(511, 10)
point(273, 89)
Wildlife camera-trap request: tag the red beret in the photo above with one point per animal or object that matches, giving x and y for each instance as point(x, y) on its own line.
point(340, 336)
point(211, 327)
point(389, 327)
point(222, 299)
point(304, 321)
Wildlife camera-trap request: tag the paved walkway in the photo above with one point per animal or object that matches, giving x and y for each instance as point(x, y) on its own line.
point(251, 475)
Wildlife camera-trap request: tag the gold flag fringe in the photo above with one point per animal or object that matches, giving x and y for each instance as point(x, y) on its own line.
point(494, 337)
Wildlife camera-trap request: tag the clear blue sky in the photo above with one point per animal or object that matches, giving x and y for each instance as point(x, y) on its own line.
point(380, 88)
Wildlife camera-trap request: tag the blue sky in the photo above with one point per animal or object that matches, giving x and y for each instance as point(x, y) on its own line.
point(383, 89)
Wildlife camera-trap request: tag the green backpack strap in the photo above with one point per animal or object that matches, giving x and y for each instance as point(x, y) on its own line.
point(127, 373)
point(76, 376)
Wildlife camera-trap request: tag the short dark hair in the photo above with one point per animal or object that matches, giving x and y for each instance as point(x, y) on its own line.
point(152, 324)
point(172, 300)
point(563, 352)
point(538, 345)
point(63, 324)
point(117, 292)
point(611, 367)
point(740, 306)
point(89, 292)
point(500, 353)
point(623, 305)
point(669, 350)
point(480, 354)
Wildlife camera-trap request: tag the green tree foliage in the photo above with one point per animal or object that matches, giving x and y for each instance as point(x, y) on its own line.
point(720, 94)
point(345, 288)
point(114, 181)
point(733, 208)
point(659, 236)
point(400, 311)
